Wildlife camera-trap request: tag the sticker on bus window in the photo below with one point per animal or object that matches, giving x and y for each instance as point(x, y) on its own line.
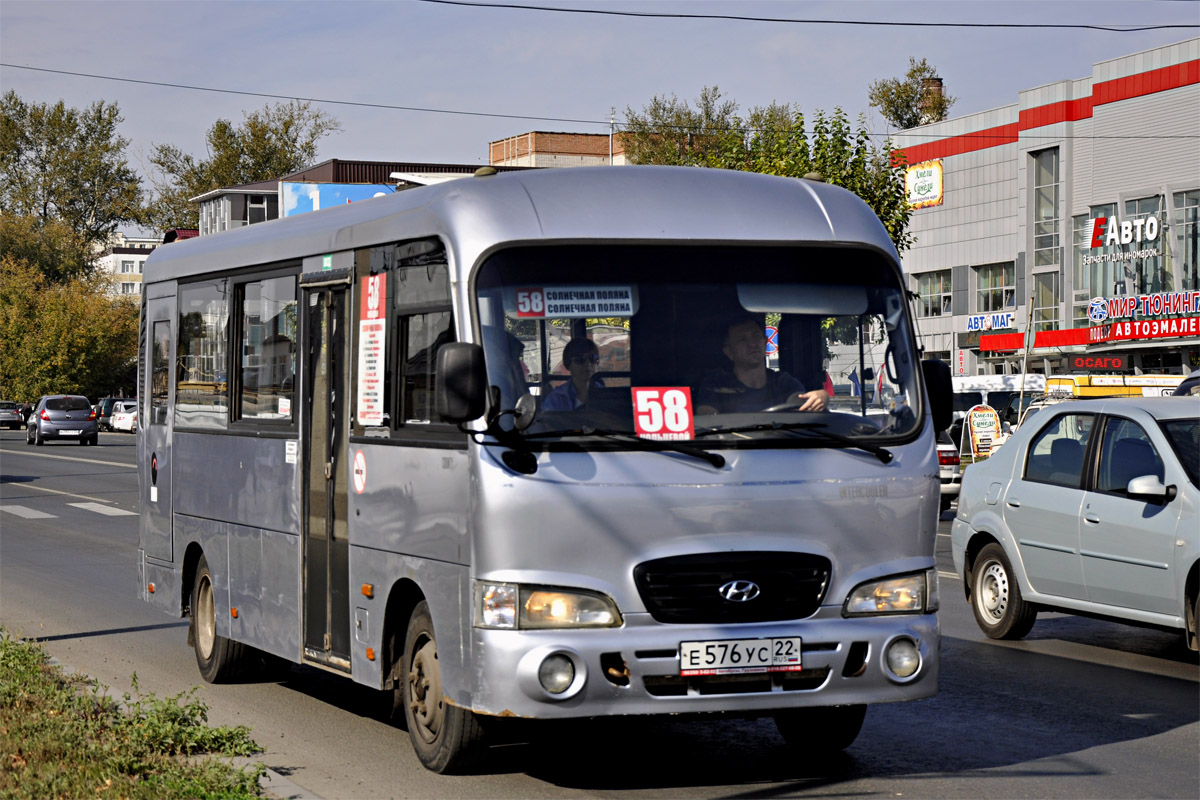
point(663, 413)
point(575, 302)
point(372, 347)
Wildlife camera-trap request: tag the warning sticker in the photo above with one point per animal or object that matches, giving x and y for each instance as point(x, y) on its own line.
point(360, 472)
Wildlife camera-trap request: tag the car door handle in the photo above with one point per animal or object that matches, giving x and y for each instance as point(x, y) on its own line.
point(1013, 502)
point(1093, 518)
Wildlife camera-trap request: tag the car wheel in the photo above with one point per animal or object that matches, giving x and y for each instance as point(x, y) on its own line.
point(38, 439)
point(946, 501)
point(820, 730)
point(220, 659)
point(29, 436)
point(996, 597)
point(447, 739)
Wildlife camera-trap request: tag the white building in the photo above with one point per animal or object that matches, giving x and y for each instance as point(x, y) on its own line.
point(123, 259)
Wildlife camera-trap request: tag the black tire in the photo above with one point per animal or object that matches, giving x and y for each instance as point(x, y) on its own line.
point(996, 597)
point(29, 436)
point(220, 660)
point(37, 436)
point(828, 729)
point(945, 504)
point(447, 739)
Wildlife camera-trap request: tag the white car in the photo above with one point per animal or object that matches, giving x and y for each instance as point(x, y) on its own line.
point(949, 469)
point(1092, 507)
point(124, 418)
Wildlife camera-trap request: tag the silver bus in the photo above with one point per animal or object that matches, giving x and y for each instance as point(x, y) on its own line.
point(507, 447)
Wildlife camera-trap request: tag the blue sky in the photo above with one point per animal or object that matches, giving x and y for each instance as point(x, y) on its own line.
point(522, 62)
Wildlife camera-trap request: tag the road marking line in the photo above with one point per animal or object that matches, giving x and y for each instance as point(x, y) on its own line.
point(108, 511)
point(75, 458)
point(58, 491)
point(26, 512)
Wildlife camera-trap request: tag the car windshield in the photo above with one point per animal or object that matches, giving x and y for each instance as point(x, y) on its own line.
point(1184, 435)
point(8, 406)
point(712, 343)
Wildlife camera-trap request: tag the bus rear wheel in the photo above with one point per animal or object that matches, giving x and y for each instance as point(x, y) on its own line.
point(219, 659)
point(447, 739)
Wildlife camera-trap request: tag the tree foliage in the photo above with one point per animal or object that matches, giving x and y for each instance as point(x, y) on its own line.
point(70, 336)
point(908, 102)
point(271, 142)
point(66, 165)
point(58, 252)
point(774, 140)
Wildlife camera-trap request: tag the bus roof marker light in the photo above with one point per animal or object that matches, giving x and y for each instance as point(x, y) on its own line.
point(485, 172)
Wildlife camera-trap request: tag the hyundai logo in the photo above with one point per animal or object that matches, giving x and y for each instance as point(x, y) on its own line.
point(739, 591)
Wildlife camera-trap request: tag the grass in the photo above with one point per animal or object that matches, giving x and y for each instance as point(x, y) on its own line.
point(62, 736)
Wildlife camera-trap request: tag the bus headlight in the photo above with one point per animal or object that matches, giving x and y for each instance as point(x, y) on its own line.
point(907, 594)
point(513, 606)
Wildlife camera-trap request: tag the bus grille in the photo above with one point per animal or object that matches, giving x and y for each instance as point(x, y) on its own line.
point(688, 589)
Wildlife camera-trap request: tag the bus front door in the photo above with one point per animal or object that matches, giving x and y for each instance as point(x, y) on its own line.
point(326, 543)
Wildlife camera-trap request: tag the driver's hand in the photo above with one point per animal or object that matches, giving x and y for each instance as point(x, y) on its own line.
point(815, 400)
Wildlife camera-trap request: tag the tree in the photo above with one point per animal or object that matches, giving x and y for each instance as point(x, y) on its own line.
point(914, 100)
point(59, 163)
point(773, 140)
point(63, 337)
point(270, 143)
point(58, 252)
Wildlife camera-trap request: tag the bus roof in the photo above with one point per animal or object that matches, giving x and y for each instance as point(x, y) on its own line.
point(615, 204)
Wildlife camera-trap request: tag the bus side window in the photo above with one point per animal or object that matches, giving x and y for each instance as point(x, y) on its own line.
point(423, 334)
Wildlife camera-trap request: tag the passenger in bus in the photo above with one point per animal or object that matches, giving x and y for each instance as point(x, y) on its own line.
point(748, 384)
point(581, 357)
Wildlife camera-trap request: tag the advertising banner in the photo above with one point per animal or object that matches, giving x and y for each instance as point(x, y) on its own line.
point(923, 184)
point(983, 424)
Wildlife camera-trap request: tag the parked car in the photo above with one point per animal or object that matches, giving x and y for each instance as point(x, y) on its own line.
point(124, 417)
point(949, 469)
point(1090, 508)
point(62, 416)
point(104, 410)
point(1190, 385)
point(10, 415)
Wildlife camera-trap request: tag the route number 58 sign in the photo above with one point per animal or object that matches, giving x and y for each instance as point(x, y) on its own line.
point(663, 412)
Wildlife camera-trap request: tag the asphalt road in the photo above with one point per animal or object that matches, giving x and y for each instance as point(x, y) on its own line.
point(1080, 708)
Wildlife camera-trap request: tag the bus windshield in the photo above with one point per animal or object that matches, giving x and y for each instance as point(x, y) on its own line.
point(728, 344)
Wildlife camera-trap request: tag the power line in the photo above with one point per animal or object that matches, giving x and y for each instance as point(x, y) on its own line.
point(882, 23)
point(536, 118)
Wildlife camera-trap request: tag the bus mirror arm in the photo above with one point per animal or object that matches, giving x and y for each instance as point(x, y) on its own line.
point(941, 394)
point(460, 388)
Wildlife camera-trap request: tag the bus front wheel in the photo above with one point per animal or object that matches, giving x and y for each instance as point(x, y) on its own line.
point(446, 738)
point(825, 729)
point(219, 659)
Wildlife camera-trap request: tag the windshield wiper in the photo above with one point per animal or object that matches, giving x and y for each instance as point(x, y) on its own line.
point(716, 459)
point(816, 429)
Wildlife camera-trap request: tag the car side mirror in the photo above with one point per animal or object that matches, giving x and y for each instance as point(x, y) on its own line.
point(941, 394)
point(1151, 489)
point(460, 388)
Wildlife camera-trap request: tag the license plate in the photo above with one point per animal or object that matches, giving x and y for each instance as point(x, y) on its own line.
point(732, 656)
point(69, 433)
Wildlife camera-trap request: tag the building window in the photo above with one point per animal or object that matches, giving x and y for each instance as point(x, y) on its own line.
point(997, 287)
point(1187, 239)
point(1045, 301)
point(1046, 247)
point(130, 288)
point(126, 267)
point(1081, 240)
point(933, 290)
point(1148, 274)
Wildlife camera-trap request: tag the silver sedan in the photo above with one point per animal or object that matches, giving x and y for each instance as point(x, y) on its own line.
point(1091, 508)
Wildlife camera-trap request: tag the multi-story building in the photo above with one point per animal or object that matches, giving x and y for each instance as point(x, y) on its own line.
point(123, 259)
point(1071, 214)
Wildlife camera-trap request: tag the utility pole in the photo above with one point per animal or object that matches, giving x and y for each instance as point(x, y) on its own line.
point(612, 123)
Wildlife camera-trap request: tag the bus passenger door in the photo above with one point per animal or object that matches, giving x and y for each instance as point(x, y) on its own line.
point(154, 428)
point(326, 543)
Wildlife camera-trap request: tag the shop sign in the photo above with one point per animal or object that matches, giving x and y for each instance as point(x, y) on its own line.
point(1094, 363)
point(923, 184)
point(1144, 329)
point(1109, 232)
point(990, 322)
point(1101, 309)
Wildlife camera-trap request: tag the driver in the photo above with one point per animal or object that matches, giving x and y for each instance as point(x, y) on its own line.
point(748, 385)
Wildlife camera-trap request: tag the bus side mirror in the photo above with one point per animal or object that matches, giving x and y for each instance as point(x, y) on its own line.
point(460, 388)
point(941, 398)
